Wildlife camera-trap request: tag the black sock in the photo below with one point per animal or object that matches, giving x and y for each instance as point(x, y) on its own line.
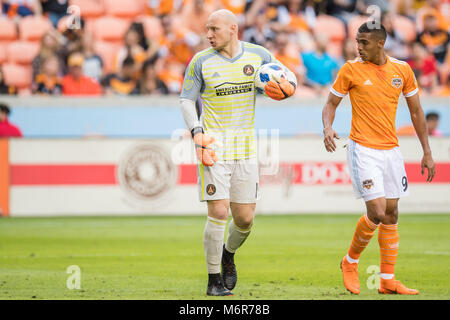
point(226, 254)
point(213, 278)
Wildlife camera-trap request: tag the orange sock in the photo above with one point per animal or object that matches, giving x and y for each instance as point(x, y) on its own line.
point(388, 241)
point(363, 233)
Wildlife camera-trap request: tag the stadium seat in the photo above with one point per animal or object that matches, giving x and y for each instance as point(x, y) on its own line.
point(107, 51)
point(89, 8)
point(124, 9)
point(333, 27)
point(353, 25)
point(405, 27)
point(152, 27)
point(32, 28)
point(334, 49)
point(3, 55)
point(22, 52)
point(111, 29)
point(8, 30)
point(17, 75)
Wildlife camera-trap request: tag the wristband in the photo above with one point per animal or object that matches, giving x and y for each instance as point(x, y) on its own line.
point(196, 130)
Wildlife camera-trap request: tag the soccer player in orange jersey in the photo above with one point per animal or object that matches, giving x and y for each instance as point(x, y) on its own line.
point(374, 81)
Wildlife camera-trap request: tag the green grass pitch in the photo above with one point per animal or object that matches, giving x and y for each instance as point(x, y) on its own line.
point(285, 257)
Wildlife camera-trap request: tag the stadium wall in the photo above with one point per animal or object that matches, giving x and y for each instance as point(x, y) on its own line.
point(61, 177)
point(159, 117)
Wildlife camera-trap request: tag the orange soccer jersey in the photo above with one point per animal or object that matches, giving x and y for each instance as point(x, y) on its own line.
point(374, 91)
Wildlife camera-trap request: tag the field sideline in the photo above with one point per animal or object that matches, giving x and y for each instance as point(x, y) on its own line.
point(286, 257)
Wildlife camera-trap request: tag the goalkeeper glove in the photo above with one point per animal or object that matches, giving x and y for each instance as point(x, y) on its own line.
point(204, 153)
point(281, 90)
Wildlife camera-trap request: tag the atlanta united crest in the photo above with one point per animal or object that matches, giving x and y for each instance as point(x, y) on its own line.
point(210, 189)
point(248, 70)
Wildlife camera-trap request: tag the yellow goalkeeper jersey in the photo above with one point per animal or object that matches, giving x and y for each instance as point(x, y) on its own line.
point(227, 90)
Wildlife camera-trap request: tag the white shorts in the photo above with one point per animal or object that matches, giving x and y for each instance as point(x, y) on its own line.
point(376, 173)
point(236, 180)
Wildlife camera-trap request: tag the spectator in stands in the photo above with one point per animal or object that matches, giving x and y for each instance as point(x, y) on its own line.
point(56, 9)
point(150, 47)
point(7, 129)
point(132, 47)
point(259, 32)
point(150, 83)
point(432, 124)
point(344, 10)
point(50, 45)
point(4, 88)
point(72, 41)
point(49, 81)
point(395, 45)
point(123, 82)
point(22, 8)
point(93, 63)
point(434, 38)
point(445, 91)
point(424, 67)
point(75, 83)
point(178, 44)
point(438, 9)
point(194, 16)
point(287, 53)
point(161, 8)
point(349, 50)
point(320, 67)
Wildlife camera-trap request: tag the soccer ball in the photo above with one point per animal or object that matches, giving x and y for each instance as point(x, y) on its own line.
point(267, 72)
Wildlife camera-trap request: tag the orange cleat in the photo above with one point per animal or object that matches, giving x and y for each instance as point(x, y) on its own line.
point(350, 274)
point(392, 286)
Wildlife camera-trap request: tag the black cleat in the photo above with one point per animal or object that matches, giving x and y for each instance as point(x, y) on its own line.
point(215, 286)
point(229, 273)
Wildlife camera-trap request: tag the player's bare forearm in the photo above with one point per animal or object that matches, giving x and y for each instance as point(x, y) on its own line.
point(420, 126)
point(328, 115)
point(419, 122)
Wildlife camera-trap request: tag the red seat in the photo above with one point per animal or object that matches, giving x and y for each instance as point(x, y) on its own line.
point(152, 27)
point(110, 29)
point(124, 9)
point(333, 27)
point(8, 30)
point(107, 51)
point(353, 25)
point(3, 55)
point(89, 8)
point(405, 27)
point(22, 52)
point(17, 75)
point(32, 28)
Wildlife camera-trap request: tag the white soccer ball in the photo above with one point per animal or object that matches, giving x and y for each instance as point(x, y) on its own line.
point(267, 72)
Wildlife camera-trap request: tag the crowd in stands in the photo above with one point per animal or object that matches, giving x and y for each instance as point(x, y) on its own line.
point(134, 47)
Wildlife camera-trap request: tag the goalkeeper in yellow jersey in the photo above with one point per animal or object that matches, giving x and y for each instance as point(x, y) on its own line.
point(223, 76)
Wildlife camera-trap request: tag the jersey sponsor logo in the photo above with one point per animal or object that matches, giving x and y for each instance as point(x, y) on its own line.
point(216, 75)
point(367, 183)
point(397, 82)
point(210, 189)
point(248, 70)
point(229, 88)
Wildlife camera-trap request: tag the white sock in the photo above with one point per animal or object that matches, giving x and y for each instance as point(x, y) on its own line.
point(213, 243)
point(386, 276)
point(236, 237)
point(351, 260)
